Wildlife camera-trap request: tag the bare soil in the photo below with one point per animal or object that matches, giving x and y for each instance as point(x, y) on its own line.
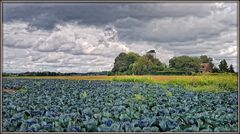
point(9, 90)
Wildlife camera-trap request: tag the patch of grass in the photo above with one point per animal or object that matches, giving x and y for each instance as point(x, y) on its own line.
point(83, 95)
point(147, 80)
point(138, 97)
point(210, 83)
point(201, 83)
point(169, 94)
point(22, 90)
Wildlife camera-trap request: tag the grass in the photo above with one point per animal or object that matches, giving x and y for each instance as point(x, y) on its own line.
point(143, 79)
point(138, 97)
point(199, 82)
point(22, 90)
point(83, 95)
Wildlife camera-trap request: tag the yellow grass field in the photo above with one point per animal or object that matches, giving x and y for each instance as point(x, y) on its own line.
point(202, 82)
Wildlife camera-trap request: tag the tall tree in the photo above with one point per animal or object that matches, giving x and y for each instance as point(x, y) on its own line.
point(223, 67)
point(123, 62)
point(231, 69)
point(142, 65)
point(206, 59)
point(185, 63)
point(120, 63)
point(147, 64)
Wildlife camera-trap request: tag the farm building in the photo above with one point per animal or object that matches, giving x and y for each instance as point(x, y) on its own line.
point(152, 52)
point(205, 67)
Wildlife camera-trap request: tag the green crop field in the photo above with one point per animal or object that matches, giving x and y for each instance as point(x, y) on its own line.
point(200, 103)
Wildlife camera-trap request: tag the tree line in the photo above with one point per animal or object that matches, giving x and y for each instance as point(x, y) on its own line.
point(47, 73)
point(133, 63)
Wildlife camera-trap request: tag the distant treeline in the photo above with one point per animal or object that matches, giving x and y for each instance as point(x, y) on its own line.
point(55, 74)
point(132, 63)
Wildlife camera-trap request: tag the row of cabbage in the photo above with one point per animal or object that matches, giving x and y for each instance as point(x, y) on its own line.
point(83, 106)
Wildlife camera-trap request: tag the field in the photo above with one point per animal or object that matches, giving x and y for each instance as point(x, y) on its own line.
point(121, 103)
point(206, 82)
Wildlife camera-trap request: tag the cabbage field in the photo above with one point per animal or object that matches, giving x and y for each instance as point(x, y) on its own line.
point(51, 105)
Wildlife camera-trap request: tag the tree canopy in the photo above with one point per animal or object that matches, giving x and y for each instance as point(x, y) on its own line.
point(123, 62)
point(133, 63)
point(231, 69)
point(146, 64)
point(185, 63)
point(223, 67)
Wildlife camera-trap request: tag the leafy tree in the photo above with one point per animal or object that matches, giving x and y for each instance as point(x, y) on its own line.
point(123, 62)
point(147, 64)
point(120, 63)
point(158, 65)
point(185, 63)
point(231, 69)
point(132, 57)
point(206, 59)
point(142, 65)
point(223, 67)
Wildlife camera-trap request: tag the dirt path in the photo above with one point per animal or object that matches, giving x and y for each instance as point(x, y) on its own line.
point(10, 91)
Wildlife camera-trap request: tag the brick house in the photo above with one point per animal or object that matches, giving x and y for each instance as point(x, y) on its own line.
point(205, 67)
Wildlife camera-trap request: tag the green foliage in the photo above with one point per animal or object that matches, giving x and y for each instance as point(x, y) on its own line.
point(206, 59)
point(169, 94)
point(171, 73)
point(116, 107)
point(185, 63)
point(202, 82)
point(83, 95)
point(22, 90)
point(138, 97)
point(142, 66)
point(208, 83)
point(231, 70)
point(146, 65)
point(132, 63)
point(120, 64)
point(123, 62)
point(148, 80)
point(223, 67)
point(189, 64)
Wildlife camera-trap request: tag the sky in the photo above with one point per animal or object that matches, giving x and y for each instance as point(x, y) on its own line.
point(86, 37)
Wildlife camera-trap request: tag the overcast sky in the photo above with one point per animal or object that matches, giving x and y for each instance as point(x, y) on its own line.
point(84, 37)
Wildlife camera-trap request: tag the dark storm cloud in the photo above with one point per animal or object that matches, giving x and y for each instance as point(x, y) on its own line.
point(47, 15)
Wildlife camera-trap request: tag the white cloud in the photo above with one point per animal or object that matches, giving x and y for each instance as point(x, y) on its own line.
point(16, 35)
point(67, 46)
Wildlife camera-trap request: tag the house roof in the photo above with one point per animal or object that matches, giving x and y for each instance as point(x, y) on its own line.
point(205, 65)
point(151, 51)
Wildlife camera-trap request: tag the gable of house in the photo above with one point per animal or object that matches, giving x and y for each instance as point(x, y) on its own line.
point(205, 67)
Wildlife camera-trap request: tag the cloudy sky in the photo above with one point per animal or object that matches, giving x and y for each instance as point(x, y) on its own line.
point(84, 37)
